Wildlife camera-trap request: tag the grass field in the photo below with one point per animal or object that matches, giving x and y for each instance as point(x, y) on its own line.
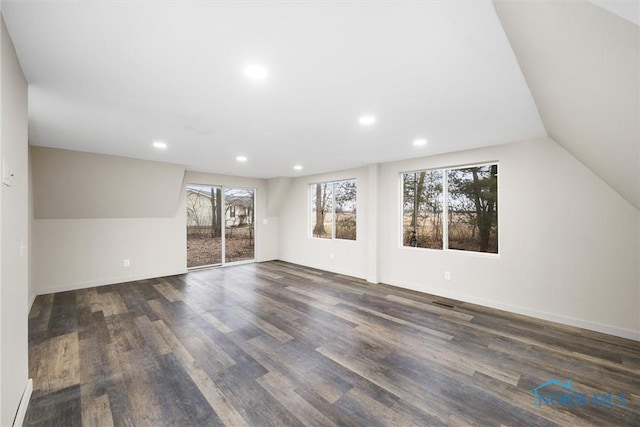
point(463, 235)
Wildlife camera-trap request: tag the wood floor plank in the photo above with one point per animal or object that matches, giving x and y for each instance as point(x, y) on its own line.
point(142, 402)
point(255, 404)
point(59, 372)
point(216, 400)
point(228, 414)
point(264, 325)
point(152, 339)
point(330, 390)
point(110, 303)
point(60, 408)
point(409, 393)
point(281, 388)
point(96, 411)
point(371, 412)
point(169, 292)
point(445, 313)
point(63, 319)
point(400, 321)
point(180, 397)
point(278, 344)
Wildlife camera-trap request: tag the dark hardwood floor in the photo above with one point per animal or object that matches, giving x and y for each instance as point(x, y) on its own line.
point(275, 344)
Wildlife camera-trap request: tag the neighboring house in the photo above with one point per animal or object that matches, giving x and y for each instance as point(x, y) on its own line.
point(238, 208)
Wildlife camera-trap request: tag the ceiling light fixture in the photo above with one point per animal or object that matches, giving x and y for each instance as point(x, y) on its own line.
point(159, 145)
point(367, 120)
point(241, 158)
point(420, 142)
point(256, 72)
point(298, 167)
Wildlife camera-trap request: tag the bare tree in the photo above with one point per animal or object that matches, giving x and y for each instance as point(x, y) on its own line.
point(485, 197)
point(216, 202)
point(419, 195)
point(423, 209)
point(473, 194)
point(320, 205)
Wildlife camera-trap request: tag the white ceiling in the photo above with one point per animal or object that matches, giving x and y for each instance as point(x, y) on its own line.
point(589, 100)
point(627, 9)
point(112, 77)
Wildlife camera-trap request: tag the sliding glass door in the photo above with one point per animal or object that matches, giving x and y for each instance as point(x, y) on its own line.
point(239, 224)
point(220, 225)
point(204, 225)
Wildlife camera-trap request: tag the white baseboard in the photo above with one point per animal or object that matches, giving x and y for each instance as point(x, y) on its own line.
point(24, 404)
point(552, 317)
point(111, 281)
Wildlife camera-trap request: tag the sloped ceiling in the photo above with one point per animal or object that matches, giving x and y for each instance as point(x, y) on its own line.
point(109, 77)
point(581, 63)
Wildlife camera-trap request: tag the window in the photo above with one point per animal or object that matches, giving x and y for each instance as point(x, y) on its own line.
point(333, 210)
point(453, 208)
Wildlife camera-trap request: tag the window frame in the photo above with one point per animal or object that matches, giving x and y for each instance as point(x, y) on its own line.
point(310, 211)
point(445, 209)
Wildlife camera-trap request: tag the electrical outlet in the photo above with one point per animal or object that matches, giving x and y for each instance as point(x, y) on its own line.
point(127, 263)
point(447, 275)
point(330, 255)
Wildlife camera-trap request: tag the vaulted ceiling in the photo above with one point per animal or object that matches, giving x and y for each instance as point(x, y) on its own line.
point(581, 64)
point(113, 77)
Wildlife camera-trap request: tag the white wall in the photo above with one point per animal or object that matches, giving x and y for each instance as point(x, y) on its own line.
point(72, 184)
point(80, 253)
point(14, 233)
point(31, 291)
point(73, 253)
point(294, 243)
point(72, 250)
point(569, 247)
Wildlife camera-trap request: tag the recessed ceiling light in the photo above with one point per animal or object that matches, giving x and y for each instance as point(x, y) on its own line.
point(160, 145)
point(367, 120)
point(420, 142)
point(298, 167)
point(256, 72)
point(241, 158)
